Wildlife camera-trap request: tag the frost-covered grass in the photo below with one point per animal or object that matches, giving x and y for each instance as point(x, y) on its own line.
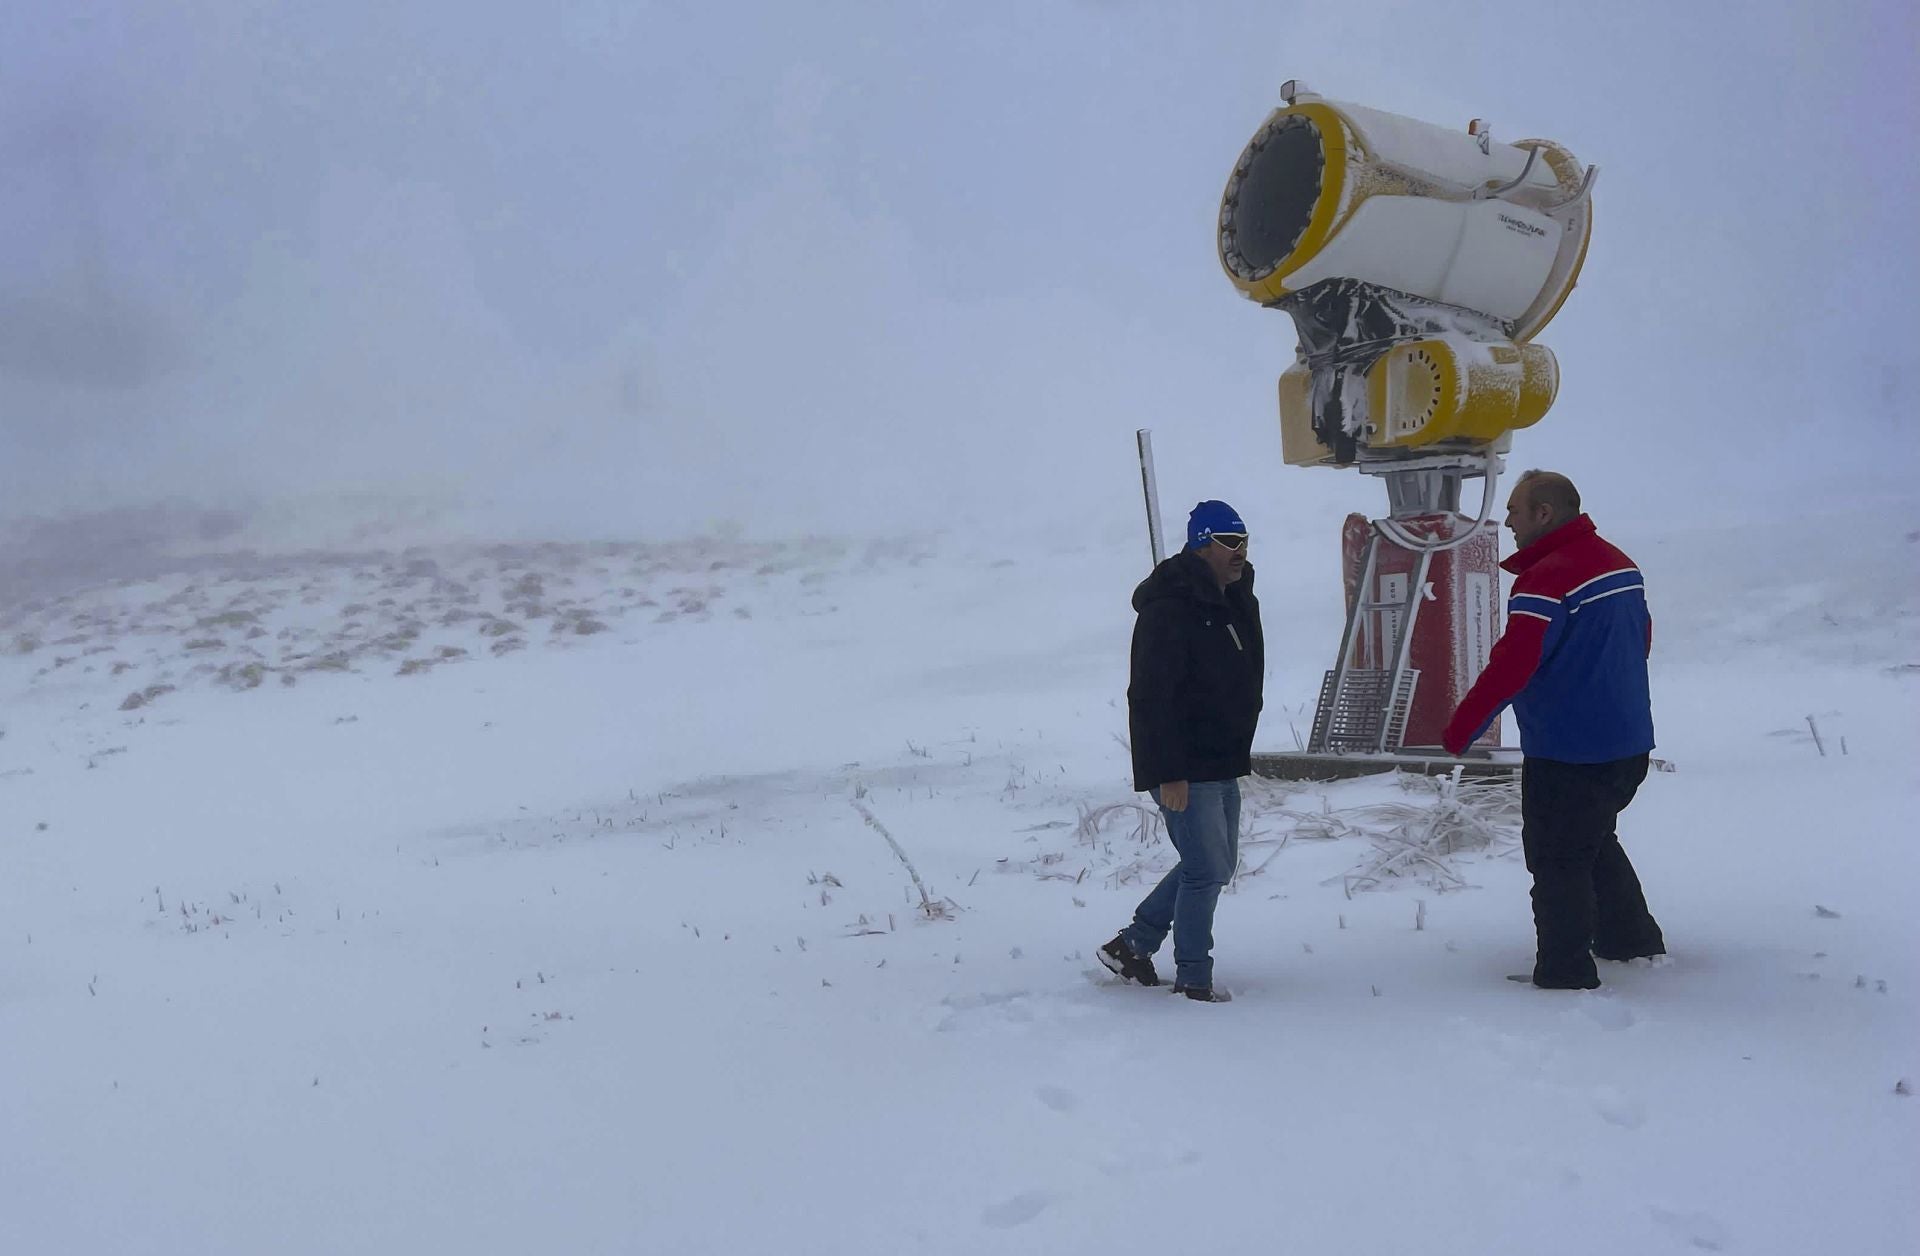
point(763, 920)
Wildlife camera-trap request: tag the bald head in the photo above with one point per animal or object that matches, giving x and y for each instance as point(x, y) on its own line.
point(1541, 501)
point(1553, 490)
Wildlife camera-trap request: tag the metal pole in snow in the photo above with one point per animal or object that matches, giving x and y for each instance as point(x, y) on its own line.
point(1151, 487)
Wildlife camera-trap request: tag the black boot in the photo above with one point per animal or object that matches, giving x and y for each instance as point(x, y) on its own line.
point(1628, 955)
point(1203, 994)
point(1124, 964)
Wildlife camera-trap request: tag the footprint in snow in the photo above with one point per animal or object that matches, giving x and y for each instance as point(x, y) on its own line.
point(1058, 1098)
point(1616, 1107)
point(1695, 1228)
point(1019, 1210)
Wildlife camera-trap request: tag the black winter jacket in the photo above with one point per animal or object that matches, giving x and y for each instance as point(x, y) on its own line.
point(1199, 663)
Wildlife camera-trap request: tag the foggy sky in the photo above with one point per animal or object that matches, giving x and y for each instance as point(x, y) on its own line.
point(606, 268)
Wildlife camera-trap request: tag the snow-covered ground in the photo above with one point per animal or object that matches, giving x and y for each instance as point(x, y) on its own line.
point(520, 898)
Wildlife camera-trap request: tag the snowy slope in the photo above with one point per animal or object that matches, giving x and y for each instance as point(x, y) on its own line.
point(514, 898)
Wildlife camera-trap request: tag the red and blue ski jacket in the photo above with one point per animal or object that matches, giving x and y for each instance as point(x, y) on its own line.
point(1573, 658)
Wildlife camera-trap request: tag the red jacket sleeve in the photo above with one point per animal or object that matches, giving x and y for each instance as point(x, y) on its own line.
point(1509, 667)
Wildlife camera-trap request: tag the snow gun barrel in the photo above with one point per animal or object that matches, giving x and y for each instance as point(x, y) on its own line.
point(1417, 263)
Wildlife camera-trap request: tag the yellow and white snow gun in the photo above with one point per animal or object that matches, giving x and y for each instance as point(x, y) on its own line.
point(1417, 263)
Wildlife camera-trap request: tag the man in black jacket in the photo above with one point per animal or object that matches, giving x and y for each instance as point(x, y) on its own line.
point(1193, 702)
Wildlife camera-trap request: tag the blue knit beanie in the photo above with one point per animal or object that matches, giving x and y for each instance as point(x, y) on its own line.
point(1211, 517)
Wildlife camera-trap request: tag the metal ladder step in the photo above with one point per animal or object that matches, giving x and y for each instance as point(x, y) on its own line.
point(1356, 707)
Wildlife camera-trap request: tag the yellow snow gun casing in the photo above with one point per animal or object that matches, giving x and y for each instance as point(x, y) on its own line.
point(1417, 263)
point(1424, 391)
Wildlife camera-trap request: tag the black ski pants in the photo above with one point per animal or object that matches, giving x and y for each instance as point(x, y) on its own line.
point(1586, 897)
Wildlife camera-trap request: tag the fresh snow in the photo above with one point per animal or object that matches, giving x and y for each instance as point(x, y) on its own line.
point(583, 944)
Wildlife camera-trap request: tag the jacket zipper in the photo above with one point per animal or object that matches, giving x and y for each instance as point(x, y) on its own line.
point(1236, 639)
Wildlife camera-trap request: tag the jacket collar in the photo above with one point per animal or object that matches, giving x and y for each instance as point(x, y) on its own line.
point(1200, 581)
point(1572, 530)
point(1200, 578)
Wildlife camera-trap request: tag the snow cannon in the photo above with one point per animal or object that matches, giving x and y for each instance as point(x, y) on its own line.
point(1417, 264)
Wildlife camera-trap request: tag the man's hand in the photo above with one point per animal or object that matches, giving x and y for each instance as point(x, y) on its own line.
point(1456, 737)
point(1173, 795)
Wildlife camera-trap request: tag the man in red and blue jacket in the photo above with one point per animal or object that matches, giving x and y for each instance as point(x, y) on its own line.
point(1573, 664)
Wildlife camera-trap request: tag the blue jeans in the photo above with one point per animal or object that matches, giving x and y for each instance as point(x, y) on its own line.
point(1207, 835)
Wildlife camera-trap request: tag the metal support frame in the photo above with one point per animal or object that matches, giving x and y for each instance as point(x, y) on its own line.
point(1416, 592)
point(1367, 708)
point(1344, 663)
